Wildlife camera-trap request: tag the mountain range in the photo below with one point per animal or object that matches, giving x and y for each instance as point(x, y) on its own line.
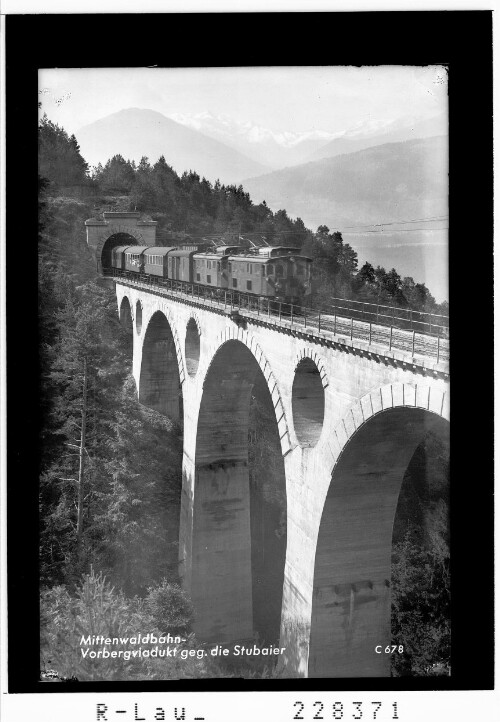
point(271, 147)
point(218, 146)
point(134, 133)
point(385, 182)
point(367, 134)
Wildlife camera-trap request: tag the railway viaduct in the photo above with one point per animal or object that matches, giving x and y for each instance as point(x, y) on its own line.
point(349, 415)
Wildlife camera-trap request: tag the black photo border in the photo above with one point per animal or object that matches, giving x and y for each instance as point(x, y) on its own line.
point(461, 40)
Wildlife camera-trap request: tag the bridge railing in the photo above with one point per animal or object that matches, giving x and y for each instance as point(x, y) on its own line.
point(427, 337)
point(405, 318)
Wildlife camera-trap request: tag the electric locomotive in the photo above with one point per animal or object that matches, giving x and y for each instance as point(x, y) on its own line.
point(277, 272)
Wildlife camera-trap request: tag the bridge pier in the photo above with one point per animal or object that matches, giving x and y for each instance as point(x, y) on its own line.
point(232, 555)
point(216, 525)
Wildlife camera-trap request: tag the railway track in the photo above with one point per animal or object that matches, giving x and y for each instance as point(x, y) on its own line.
point(413, 342)
point(319, 323)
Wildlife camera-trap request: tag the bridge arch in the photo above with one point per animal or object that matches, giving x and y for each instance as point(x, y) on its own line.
point(138, 317)
point(308, 397)
point(238, 334)
point(126, 316)
point(239, 517)
point(192, 344)
point(371, 449)
point(161, 372)
point(318, 360)
point(126, 313)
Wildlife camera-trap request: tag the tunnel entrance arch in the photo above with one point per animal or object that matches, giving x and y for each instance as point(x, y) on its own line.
point(160, 384)
point(117, 239)
point(239, 507)
point(351, 607)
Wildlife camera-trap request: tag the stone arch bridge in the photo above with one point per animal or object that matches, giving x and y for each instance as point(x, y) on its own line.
point(349, 416)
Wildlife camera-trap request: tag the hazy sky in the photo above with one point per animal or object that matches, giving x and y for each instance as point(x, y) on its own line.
point(281, 98)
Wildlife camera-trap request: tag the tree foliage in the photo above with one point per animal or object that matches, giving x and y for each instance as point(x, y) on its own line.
point(376, 285)
point(59, 157)
point(95, 607)
point(131, 497)
point(421, 593)
point(117, 176)
point(170, 608)
point(421, 609)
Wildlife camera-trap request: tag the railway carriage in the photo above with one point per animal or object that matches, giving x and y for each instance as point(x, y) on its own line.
point(156, 260)
point(134, 258)
point(118, 257)
point(180, 264)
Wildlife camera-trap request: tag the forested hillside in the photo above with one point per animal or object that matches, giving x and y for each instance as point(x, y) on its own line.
point(110, 469)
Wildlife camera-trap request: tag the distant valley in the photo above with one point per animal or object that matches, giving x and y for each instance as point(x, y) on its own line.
point(390, 182)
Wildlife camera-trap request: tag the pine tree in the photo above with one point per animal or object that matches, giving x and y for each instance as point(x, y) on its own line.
point(59, 157)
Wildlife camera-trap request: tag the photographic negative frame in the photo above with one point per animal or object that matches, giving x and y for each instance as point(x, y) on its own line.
point(206, 40)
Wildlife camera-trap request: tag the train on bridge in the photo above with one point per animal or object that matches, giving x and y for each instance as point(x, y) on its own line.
point(280, 273)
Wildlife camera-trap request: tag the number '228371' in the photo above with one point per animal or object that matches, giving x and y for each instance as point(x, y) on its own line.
point(341, 710)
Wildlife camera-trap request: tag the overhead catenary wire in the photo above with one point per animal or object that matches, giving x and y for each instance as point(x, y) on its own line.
point(355, 233)
point(428, 219)
point(397, 230)
point(348, 230)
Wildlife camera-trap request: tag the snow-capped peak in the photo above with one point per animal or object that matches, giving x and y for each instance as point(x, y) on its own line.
point(224, 126)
